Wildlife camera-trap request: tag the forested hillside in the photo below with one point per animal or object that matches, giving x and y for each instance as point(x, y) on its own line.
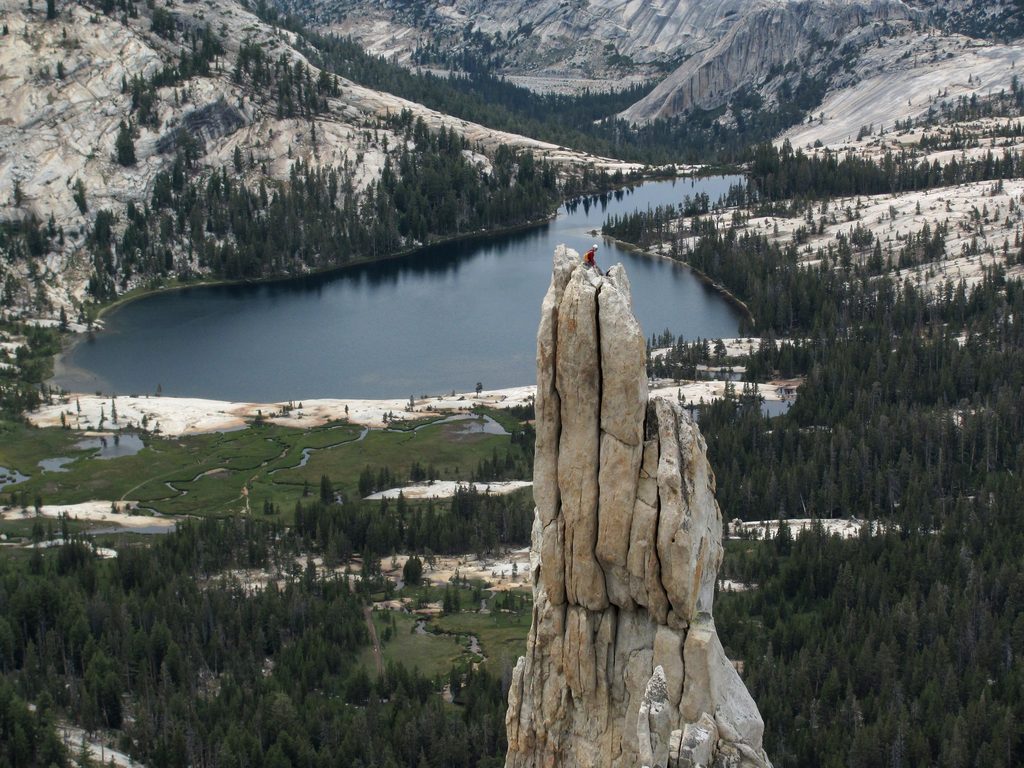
point(902, 646)
point(172, 647)
point(317, 221)
point(209, 130)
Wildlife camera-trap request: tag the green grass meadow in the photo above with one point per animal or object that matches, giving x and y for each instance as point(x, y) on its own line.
point(205, 474)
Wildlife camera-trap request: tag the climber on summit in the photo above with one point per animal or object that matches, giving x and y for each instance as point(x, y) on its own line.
point(588, 259)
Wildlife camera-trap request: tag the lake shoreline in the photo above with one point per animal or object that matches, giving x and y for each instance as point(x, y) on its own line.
point(332, 308)
point(175, 416)
point(70, 342)
point(700, 172)
point(172, 416)
point(142, 293)
point(728, 295)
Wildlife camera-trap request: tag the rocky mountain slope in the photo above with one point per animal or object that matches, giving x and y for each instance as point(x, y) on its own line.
point(68, 83)
point(623, 664)
point(767, 43)
point(780, 53)
point(997, 20)
point(589, 36)
point(910, 77)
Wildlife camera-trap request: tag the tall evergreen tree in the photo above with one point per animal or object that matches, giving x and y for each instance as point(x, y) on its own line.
point(125, 145)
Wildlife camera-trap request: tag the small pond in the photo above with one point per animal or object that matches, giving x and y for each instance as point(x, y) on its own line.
point(104, 447)
point(56, 464)
point(111, 447)
point(11, 477)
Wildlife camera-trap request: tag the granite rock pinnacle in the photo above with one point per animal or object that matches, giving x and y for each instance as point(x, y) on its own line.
point(623, 665)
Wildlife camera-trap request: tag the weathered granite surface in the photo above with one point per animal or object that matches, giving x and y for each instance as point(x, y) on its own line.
point(623, 664)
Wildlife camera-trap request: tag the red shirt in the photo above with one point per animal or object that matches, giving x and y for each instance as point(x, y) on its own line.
point(589, 257)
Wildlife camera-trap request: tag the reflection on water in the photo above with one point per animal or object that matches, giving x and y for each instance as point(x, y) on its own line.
point(776, 407)
point(56, 464)
point(109, 446)
point(113, 446)
point(145, 530)
point(475, 425)
point(442, 318)
point(11, 477)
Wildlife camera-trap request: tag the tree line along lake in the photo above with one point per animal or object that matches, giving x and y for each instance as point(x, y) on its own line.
point(439, 319)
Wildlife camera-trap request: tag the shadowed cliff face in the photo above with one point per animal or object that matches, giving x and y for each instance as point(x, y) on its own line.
point(768, 38)
point(623, 664)
point(711, 49)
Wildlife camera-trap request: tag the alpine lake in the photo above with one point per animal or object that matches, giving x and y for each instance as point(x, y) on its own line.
point(439, 319)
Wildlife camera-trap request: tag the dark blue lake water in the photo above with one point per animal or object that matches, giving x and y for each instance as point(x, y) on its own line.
point(440, 319)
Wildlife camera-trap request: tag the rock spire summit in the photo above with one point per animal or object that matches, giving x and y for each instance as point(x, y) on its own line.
point(623, 665)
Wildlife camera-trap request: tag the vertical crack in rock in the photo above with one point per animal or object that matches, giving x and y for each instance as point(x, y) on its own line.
point(548, 430)
point(623, 666)
point(578, 383)
point(623, 355)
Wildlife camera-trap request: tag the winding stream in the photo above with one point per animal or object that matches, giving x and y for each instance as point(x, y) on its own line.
point(307, 452)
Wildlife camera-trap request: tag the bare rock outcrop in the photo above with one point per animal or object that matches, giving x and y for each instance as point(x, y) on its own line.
point(623, 665)
point(766, 39)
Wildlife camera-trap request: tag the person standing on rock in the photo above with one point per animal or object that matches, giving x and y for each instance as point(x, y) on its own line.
point(589, 259)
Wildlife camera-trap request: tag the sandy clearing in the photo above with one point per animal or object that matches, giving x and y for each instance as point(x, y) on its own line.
point(445, 489)
point(846, 528)
point(75, 738)
point(505, 570)
point(733, 348)
point(173, 416)
point(104, 553)
point(741, 347)
point(712, 389)
point(728, 585)
point(96, 512)
point(501, 571)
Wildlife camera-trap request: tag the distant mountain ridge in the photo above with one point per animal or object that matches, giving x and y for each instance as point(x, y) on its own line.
point(705, 53)
point(104, 104)
point(782, 41)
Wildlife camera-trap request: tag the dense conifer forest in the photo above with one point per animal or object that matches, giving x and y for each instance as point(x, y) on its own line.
point(170, 646)
point(902, 647)
point(317, 221)
point(471, 522)
point(587, 121)
point(22, 385)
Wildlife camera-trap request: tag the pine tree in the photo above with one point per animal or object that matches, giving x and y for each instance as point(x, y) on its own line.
point(125, 145)
point(79, 196)
point(326, 490)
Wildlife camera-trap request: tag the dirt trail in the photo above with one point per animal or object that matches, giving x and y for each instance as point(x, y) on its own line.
point(372, 629)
